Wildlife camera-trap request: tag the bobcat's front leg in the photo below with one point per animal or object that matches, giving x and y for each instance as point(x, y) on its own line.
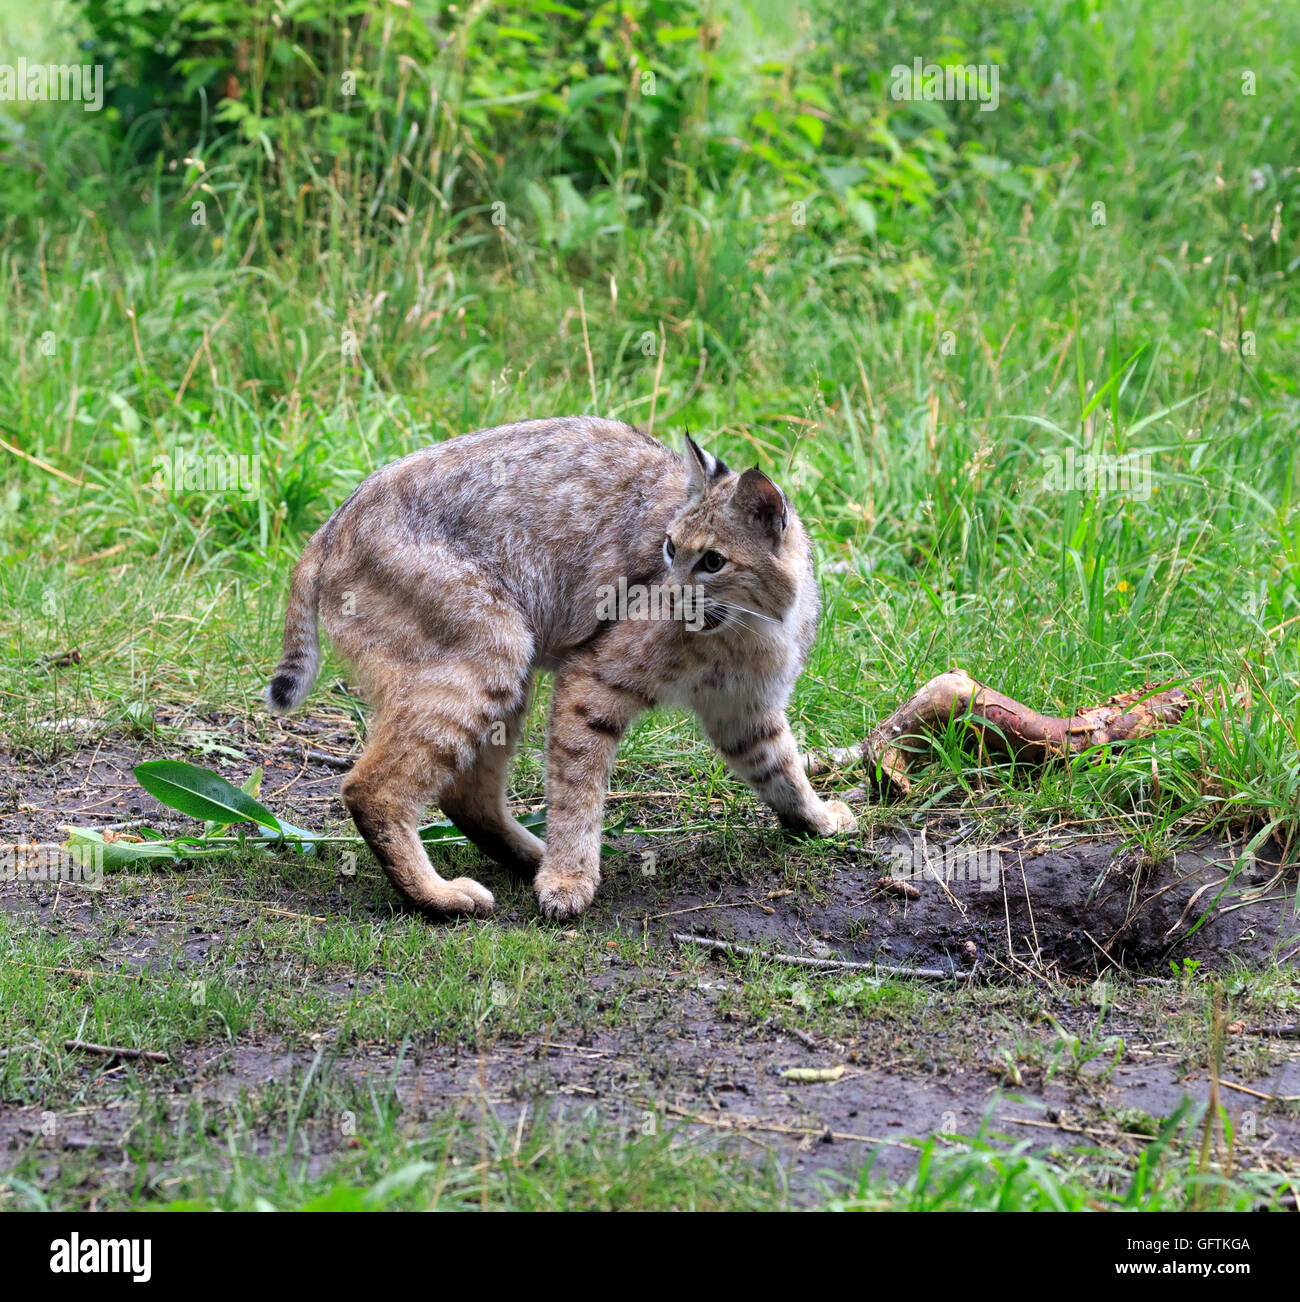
point(588, 719)
point(761, 751)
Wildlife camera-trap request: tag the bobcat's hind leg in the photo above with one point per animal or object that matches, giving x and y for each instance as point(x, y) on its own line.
point(476, 799)
point(429, 731)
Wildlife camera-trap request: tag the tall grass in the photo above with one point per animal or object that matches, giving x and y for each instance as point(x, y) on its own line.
point(911, 355)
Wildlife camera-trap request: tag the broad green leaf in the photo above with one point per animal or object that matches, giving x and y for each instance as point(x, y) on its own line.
point(201, 794)
point(250, 786)
point(341, 1198)
point(397, 1182)
point(811, 126)
point(442, 834)
point(864, 214)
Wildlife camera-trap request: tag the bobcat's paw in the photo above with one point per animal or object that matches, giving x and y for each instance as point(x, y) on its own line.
point(837, 818)
point(564, 895)
point(463, 895)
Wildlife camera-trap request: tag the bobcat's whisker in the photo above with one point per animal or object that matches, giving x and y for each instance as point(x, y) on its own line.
point(756, 613)
point(733, 618)
point(733, 614)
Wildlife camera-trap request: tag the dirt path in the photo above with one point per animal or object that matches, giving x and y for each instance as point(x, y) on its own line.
point(1046, 1037)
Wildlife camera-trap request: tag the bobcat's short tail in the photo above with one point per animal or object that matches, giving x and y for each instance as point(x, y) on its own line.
point(300, 663)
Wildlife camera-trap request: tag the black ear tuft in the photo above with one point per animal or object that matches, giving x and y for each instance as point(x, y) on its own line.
point(701, 467)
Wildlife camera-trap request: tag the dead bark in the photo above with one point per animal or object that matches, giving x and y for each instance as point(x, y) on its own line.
point(1004, 726)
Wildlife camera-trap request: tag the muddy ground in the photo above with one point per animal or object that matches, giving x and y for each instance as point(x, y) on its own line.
point(1023, 928)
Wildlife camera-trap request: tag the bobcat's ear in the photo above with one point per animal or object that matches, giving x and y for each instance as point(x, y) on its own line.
point(701, 468)
point(757, 496)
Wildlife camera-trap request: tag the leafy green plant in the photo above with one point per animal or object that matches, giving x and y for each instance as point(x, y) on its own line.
point(207, 796)
point(220, 806)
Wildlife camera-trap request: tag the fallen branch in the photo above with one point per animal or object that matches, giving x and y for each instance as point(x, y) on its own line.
point(879, 969)
point(1004, 726)
point(1288, 1032)
point(18, 1048)
point(116, 1051)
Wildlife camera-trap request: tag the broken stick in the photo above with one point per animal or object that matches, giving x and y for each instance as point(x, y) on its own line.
point(1004, 725)
point(116, 1051)
point(834, 964)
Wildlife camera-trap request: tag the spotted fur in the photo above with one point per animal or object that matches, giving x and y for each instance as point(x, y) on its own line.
point(450, 578)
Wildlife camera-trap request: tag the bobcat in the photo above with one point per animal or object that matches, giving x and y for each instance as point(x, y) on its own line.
point(450, 577)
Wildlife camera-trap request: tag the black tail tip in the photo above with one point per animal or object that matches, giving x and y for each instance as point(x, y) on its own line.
point(280, 693)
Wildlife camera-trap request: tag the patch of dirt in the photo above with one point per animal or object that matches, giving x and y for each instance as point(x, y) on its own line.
point(1073, 904)
point(1080, 907)
point(676, 1048)
point(681, 1066)
point(86, 781)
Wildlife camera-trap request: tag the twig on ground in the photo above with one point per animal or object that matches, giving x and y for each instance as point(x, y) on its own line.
point(116, 1051)
point(755, 1123)
point(1259, 1094)
point(880, 969)
point(1094, 1132)
point(340, 762)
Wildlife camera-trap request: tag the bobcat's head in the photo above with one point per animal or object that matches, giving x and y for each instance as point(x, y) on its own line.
point(729, 545)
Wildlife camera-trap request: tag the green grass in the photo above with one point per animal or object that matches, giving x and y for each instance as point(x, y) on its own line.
point(911, 389)
point(581, 1164)
point(910, 396)
point(292, 1050)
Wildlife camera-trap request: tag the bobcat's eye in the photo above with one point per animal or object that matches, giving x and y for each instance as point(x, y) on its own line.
point(669, 549)
point(712, 562)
